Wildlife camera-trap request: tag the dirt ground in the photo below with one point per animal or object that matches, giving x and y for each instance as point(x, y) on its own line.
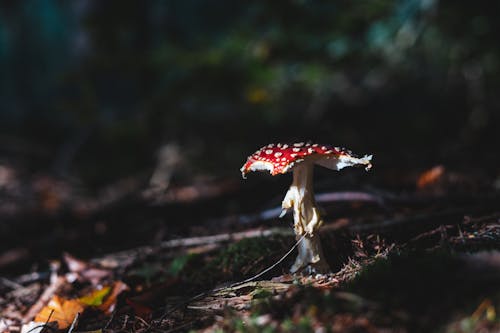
point(421, 257)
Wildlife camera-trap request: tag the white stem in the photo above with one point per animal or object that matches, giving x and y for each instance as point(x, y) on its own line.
point(307, 220)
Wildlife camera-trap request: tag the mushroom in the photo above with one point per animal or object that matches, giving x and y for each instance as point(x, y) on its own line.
point(300, 158)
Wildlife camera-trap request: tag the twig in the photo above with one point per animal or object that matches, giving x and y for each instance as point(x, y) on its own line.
point(11, 284)
point(275, 212)
point(74, 323)
point(46, 296)
point(143, 322)
point(227, 237)
point(45, 325)
point(431, 232)
point(32, 277)
point(125, 322)
point(349, 196)
point(110, 320)
point(132, 255)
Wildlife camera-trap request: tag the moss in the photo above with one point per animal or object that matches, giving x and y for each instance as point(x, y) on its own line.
point(248, 256)
point(178, 264)
point(237, 261)
point(261, 293)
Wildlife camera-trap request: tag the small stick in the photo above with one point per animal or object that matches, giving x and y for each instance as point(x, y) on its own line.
point(110, 320)
point(275, 212)
point(46, 296)
point(32, 277)
point(131, 255)
point(74, 323)
point(45, 325)
point(11, 284)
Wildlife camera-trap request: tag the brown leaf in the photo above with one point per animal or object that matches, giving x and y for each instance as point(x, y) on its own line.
point(109, 303)
point(430, 176)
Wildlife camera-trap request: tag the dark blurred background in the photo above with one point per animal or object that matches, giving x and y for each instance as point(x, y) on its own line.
point(92, 89)
point(92, 92)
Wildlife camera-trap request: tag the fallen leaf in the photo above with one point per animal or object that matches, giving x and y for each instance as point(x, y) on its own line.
point(430, 176)
point(96, 297)
point(485, 309)
point(109, 303)
point(63, 311)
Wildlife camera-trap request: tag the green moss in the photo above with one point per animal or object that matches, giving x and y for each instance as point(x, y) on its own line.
point(178, 264)
point(261, 293)
point(237, 261)
point(248, 256)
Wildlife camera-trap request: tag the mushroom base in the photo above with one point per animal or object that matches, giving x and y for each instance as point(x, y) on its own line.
point(310, 259)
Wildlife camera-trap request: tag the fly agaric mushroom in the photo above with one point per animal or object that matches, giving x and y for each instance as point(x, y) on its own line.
point(300, 158)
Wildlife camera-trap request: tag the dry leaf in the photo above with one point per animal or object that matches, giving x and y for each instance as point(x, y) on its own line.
point(63, 311)
point(96, 297)
point(430, 176)
point(109, 303)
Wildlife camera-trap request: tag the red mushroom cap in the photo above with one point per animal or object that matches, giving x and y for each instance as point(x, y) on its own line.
point(281, 158)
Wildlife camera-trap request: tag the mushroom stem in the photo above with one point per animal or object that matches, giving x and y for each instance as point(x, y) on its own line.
point(307, 220)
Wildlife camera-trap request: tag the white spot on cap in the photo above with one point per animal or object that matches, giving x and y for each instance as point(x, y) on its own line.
point(285, 146)
point(283, 159)
point(310, 150)
point(315, 145)
point(277, 154)
point(271, 145)
point(293, 155)
point(299, 144)
point(324, 147)
point(296, 150)
point(269, 151)
point(279, 145)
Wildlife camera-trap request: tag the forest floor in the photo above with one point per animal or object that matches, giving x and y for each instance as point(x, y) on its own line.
point(424, 259)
